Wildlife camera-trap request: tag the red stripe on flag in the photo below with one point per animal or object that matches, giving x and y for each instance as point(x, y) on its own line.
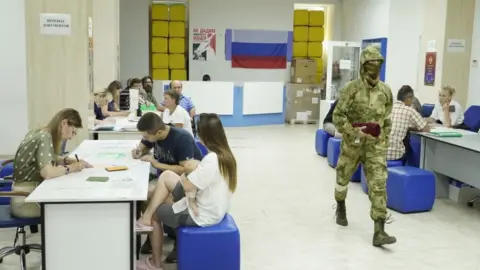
point(259, 62)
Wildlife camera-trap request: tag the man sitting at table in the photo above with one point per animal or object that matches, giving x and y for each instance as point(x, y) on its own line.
point(172, 146)
point(404, 118)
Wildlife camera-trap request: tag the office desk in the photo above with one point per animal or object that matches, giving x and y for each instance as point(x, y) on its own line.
point(90, 225)
point(124, 129)
point(456, 158)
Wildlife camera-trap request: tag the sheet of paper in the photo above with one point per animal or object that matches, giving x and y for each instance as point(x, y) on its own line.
point(345, 64)
point(314, 100)
point(299, 93)
point(134, 99)
point(302, 116)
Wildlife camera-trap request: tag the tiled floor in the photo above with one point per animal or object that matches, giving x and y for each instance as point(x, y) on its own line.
point(283, 208)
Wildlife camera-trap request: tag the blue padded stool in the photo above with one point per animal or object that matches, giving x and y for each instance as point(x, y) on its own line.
point(410, 189)
point(6, 170)
point(427, 109)
point(203, 148)
point(321, 142)
point(209, 248)
point(363, 179)
point(357, 176)
point(333, 151)
point(413, 158)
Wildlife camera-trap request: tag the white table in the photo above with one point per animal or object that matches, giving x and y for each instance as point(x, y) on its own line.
point(124, 129)
point(90, 225)
point(453, 157)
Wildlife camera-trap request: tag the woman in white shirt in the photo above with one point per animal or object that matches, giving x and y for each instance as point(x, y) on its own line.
point(201, 196)
point(175, 114)
point(447, 112)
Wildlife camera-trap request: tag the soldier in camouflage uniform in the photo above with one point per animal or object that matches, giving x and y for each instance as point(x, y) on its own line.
point(365, 100)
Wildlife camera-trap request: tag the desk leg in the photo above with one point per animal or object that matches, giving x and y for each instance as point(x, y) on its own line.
point(74, 236)
point(427, 162)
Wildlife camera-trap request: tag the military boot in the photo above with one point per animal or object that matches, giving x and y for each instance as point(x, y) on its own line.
point(380, 237)
point(341, 213)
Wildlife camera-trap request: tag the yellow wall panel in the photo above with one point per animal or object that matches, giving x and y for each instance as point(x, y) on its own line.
point(177, 13)
point(300, 17)
point(160, 60)
point(176, 45)
point(159, 45)
point(159, 12)
point(300, 33)
point(176, 61)
point(178, 74)
point(160, 29)
point(300, 49)
point(160, 74)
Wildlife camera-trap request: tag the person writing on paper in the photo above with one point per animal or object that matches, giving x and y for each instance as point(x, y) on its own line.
point(447, 111)
point(111, 108)
point(38, 158)
point(201, 196)
point(173, 147)
point(175, 114)
point(404, 118)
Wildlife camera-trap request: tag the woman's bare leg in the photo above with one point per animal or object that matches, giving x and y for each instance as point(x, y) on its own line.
point(165, 184)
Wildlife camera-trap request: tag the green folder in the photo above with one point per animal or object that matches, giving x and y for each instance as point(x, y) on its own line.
point(446, 134)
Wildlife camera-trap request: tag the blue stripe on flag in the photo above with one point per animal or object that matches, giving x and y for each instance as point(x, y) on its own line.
point(259, 49)
point(259, 36)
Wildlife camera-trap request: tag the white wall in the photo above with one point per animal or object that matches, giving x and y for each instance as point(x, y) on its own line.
point(134, 38)
point(363, 19)
point(405, 25)
point(105, 41)
point(474, 83)
point(245, 14)
point(13, 67)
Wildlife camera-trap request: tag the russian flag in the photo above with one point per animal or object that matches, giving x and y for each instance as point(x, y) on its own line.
point(261, 49)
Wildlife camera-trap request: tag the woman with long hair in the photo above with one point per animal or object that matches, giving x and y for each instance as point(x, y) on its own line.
point(111, 106)
point(38, 158)
point(215, 179)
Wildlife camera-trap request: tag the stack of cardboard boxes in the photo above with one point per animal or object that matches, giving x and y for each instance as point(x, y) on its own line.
point(303, 93)
point(168, 48)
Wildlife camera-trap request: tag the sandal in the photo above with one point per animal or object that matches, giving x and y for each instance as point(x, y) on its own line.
point(146, 264)
point(139, 227)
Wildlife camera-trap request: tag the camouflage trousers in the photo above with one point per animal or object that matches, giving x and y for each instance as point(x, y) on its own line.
point(372, 153)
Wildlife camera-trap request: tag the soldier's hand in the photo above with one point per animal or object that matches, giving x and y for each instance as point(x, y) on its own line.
point(360, 133)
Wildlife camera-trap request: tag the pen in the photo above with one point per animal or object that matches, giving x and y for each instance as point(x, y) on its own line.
point(77, 158)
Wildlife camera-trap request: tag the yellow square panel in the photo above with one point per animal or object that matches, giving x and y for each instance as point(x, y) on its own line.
point(300, 49)
point(160, 74)
point(316, 18)
point(176, 61)
point(176, 29)
point(316, 34)
point(300, 17)
point(159, 45)
point(300, 33)
point(319, 62)
point(177, 13)
point(315, 49)
point(160, 60)
point(178, 74)
point(159, 12)
point(176, 45)
point(159, 29)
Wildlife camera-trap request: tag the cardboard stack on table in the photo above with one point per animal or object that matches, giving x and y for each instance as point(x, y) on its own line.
point(305, 89)
point(168, 46)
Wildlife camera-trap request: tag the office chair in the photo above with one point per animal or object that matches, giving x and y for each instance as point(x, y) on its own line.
point(20, 246)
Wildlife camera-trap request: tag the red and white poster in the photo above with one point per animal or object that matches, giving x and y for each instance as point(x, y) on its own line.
point(204, 44)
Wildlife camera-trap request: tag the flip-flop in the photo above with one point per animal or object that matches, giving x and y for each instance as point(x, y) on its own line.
point(139, 227)
point(145, 264)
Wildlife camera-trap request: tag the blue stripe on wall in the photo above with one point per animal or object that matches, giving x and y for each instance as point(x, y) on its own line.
point(290, 46)
point(240, 120)
point(228, 45)
point(259, 49)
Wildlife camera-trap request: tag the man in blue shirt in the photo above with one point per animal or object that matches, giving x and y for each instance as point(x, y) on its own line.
point(172, 147)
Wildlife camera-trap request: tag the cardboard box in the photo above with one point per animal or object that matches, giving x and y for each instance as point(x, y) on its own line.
point(303, 71)
point(303, 102)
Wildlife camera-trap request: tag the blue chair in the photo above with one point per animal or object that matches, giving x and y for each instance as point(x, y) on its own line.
point(321, 142)
point(333, 151)
point(357, 175)
point(427, 109)
point(410, 189)
point(6, 170)
point(20, 246)
point(363, 179)
point(413, 157)
point(472, 118)
point(203, 148)
point(209, 248)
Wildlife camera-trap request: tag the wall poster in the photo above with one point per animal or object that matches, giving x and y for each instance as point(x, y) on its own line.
point(204, 44)
point(430, 66)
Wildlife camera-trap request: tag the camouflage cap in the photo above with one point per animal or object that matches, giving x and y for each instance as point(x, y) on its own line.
point(371, 53)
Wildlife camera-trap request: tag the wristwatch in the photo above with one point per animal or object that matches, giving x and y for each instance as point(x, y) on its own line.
point(65, 161)
point(67, 169)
